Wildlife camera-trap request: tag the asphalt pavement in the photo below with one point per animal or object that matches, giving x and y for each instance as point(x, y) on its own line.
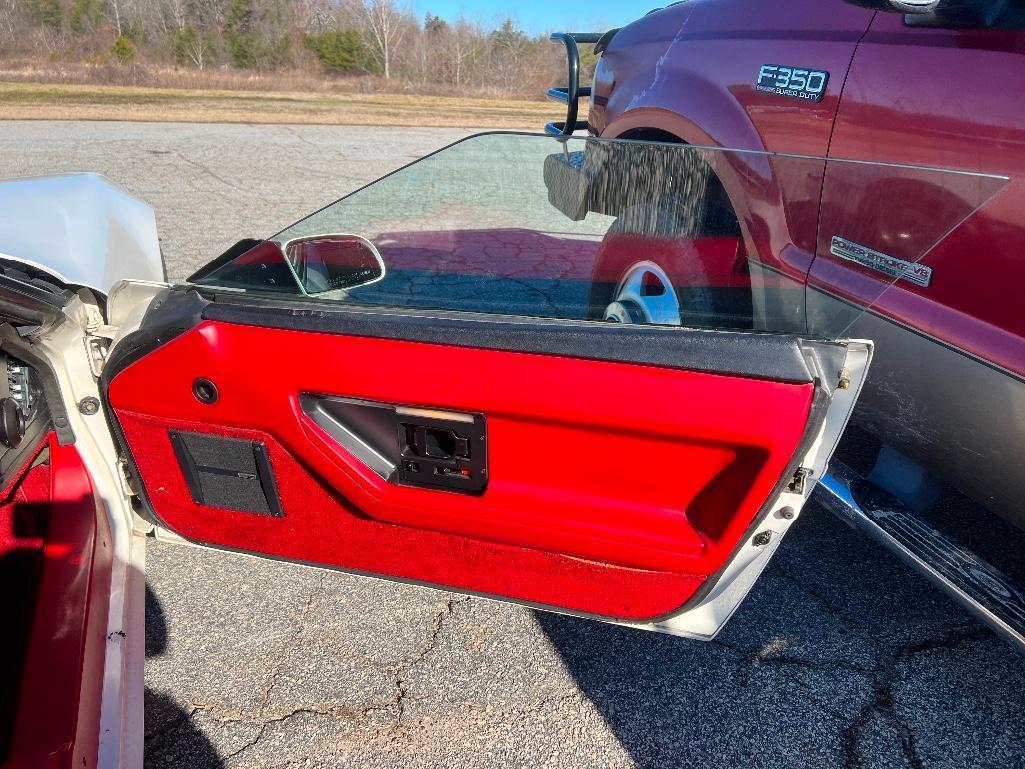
point(841, 657)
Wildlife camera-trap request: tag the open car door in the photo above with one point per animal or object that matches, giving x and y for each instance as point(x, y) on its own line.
point(425, 381)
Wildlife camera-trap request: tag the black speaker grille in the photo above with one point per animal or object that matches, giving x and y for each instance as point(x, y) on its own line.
point(228, 473)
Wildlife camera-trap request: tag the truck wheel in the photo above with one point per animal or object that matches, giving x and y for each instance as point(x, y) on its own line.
point(652, 267)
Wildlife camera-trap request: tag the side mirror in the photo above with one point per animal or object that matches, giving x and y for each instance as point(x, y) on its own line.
point(970, 14)
point(915, 7)
point(325, 263)
point(899, 6)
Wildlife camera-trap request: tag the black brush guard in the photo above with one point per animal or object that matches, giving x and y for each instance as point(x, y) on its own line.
point(573, 92)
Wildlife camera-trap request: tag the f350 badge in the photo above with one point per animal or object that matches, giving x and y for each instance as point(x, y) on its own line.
point(795, 82)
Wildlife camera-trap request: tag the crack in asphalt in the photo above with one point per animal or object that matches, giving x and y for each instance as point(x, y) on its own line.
point(392, 732)
point(767, 656)
point(399, 671)
point(200, 166)
point(849, 621)
point(881, 709)
point(293, 640)
point(240, 715)
point(883, 705)
point(883, 676)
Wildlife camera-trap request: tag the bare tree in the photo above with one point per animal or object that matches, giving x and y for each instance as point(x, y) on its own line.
point(385, 24)
point(176, 12)
point(12, 19)
point(466, 43)
point(194, 47)
point(207, 15)
point(115, 7)
point(313, 16)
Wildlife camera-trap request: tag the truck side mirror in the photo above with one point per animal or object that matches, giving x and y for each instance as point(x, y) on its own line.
point(915, 7)
point(957, 14)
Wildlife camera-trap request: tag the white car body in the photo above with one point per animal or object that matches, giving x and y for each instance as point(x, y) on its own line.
point(80, 228)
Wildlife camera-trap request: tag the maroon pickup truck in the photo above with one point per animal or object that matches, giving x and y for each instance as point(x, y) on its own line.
point(931, 274)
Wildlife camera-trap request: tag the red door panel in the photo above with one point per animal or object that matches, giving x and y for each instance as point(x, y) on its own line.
point(613, 489)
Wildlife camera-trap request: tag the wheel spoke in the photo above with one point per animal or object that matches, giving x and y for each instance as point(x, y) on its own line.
point(647, 289)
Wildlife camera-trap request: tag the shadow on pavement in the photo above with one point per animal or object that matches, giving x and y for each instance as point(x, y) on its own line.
point(171, 740)
point(839, 657)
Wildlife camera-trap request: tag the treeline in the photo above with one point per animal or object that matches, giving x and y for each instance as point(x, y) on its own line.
point(336, 37)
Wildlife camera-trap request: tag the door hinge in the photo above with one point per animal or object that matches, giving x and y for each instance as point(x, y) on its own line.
point(799, 481)
point(124, 476)
point(98, 337)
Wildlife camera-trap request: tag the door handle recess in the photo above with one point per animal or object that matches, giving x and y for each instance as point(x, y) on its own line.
point(435, 442)
point(430, 448)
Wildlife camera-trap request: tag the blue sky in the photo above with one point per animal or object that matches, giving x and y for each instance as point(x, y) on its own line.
point(540, 15)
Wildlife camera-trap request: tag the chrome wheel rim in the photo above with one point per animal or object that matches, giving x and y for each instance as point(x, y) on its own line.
point(645, 295)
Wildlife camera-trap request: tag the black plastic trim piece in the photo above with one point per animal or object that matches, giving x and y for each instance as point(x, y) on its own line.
point(778, 357)
point(239, 248)
point(11, 343)
point(605, 41)
point(187, 465)
point(205, 391)
point(265, 474)
point(170, 314)
point(29, 304)
point(193, 472)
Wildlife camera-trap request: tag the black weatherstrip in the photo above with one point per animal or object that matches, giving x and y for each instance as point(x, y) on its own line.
point(775, 357)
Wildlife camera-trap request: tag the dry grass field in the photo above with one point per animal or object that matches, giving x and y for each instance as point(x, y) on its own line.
point(43, 101)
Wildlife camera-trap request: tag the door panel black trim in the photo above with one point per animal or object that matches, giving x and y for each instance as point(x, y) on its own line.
point(776, 357)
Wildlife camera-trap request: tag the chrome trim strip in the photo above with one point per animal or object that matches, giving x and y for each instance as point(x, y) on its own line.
point(454, 416)
point(313, 407)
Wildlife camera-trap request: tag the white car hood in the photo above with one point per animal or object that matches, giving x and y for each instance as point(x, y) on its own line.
point(81, 229)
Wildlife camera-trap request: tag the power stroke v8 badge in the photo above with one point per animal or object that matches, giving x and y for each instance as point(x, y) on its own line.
point(797, 83)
